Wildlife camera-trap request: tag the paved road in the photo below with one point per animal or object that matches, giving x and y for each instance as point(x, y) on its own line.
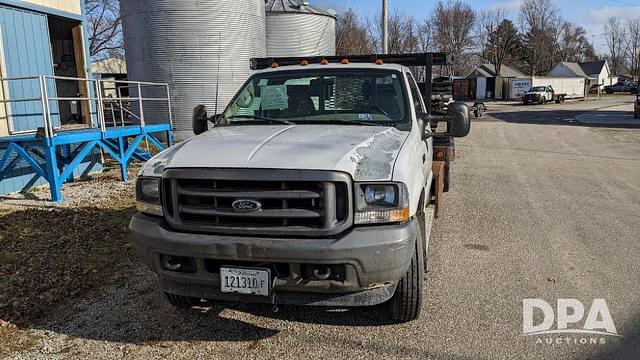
point(539, 209)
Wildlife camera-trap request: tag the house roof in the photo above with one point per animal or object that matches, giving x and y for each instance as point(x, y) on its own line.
point(574, 68)
point(488, 70)
point(592, 67)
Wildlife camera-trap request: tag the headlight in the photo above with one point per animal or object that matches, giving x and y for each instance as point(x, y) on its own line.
point(148, 196)
point(381, 195)
point(378, 203)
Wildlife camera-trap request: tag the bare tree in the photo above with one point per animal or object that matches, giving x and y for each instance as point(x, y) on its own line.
point(574, 45)
point(615, 34)
point(633, 46)
point(105, 28)
point(540, 26)
point(499, 38)
point(352, 36)
point(404, 33)
point(453, 23)
point(425, 36)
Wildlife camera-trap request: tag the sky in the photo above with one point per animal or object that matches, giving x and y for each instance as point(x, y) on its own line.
point(591, 14)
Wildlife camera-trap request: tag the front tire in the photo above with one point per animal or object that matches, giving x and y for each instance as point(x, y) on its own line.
point(406, 302)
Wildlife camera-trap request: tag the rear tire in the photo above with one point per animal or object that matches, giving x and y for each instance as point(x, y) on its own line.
point(181, 302)
point(406, 302)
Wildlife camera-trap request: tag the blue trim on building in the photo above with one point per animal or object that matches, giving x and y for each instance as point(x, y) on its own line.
point(26, 160)
point(73, 153)
point(43, 9)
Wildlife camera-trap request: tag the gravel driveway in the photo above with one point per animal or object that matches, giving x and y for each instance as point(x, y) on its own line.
point(538, 209)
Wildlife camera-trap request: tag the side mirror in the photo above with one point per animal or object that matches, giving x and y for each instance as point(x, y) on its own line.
point(199, 121)
point(423, 125)
point(459, 119)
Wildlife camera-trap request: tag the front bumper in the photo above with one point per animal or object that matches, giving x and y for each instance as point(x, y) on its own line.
point(374, 259)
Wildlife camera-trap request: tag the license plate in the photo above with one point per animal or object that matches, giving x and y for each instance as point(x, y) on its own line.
point(245, 281)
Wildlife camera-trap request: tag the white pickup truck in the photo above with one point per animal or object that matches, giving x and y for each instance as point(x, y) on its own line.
point(542, 95)
point(310, 188)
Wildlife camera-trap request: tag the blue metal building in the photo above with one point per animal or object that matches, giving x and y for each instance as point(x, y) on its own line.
point(55, 120)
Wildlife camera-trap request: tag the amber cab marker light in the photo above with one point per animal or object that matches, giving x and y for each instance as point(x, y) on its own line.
point(344, 61)
point(379, 62)
point(324, 62)
point(440, 155)
point(274, 65)
point(304, 62)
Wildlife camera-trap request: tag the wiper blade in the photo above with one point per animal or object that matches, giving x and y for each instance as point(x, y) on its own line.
point(261, 118)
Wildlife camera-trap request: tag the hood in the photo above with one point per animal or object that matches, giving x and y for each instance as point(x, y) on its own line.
point(365, 152)
point(534, 92)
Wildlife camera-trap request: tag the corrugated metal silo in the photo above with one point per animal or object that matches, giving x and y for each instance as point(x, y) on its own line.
point(295, 28)
point(193, 45)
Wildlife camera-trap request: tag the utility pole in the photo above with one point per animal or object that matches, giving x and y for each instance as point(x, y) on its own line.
point(385, 27)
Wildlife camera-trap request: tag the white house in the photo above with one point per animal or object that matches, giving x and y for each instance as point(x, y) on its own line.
point(597, 72)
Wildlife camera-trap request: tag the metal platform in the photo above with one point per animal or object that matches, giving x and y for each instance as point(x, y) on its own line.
point(54, 153)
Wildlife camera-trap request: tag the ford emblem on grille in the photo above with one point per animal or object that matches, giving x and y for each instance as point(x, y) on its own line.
point(246, 206)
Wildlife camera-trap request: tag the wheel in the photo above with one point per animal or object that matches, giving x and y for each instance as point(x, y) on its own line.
point(181, 302)
point(406, 302)
point(608, 91)
point(561, 99)
point(633, 91)
point(543, 100)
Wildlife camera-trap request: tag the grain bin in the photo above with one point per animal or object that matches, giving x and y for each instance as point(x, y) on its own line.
point(295, 28)
point(198, 47)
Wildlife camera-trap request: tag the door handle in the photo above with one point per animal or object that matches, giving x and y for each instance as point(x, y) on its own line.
point(424, 158)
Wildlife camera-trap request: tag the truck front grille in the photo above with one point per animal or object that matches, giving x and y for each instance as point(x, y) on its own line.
point(290, 203)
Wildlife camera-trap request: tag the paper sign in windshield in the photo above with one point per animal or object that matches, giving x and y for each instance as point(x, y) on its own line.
point(274, 97)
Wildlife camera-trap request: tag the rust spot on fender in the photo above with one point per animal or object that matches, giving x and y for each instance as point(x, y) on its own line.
point(375, 157)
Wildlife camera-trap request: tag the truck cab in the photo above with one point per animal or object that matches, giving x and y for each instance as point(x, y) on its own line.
point(310, 188)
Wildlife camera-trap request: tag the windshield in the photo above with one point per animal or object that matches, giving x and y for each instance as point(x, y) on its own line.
point(368, 97)
point(538, 89)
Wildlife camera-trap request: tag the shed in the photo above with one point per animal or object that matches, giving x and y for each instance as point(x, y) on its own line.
point(41, 38)
point(487, 78)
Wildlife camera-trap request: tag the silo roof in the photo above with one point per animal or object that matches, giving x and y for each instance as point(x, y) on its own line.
point(295, 6)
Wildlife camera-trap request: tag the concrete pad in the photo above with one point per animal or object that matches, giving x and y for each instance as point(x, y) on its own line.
point(615, 115)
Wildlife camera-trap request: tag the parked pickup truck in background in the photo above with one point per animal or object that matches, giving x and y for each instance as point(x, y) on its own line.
point(622, 86)
point(542, 95)
point(311, 188)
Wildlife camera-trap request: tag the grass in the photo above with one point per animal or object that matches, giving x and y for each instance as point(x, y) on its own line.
point(50, 254)
point(14, 340)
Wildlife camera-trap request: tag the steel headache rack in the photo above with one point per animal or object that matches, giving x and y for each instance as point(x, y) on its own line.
point(414, 59)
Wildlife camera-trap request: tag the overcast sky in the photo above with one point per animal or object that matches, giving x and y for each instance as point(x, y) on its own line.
point(591, 14)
